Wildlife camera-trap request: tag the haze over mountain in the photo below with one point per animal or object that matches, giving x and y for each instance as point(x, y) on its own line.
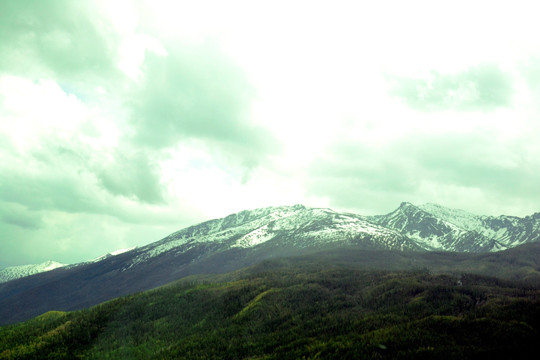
point(247, 237)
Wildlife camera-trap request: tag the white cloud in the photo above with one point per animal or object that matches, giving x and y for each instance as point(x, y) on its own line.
point(32, 110)
point(71, 129)
point(132, 51)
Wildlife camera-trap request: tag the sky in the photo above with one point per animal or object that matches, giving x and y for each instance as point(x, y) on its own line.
point(124, 121)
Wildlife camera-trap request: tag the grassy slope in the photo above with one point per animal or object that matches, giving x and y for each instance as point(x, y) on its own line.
point(293, 309)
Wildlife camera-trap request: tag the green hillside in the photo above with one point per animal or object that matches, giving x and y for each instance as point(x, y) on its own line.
point(295, 309)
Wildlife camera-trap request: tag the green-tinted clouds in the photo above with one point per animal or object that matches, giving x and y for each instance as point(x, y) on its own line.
point(66, 39)
point(197, 94)
point(190, 94)
point(423, 168)
point(20, 217)
point(531, 72)
point(482, 87)
point(133, 175)
point(81, 137)
point(123, 121)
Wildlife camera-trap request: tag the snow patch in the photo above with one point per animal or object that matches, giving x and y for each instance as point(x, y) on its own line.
point(17, 272)
point(121, 251)
point(256, 237)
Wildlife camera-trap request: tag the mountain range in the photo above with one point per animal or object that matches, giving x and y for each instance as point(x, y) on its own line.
point(400, 238)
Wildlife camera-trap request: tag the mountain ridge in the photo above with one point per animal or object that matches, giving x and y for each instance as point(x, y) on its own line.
point(439, 228)
point(429, 227)
point(250, 236)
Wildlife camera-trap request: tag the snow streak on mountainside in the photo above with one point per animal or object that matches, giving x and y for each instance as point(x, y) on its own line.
point(16, 272)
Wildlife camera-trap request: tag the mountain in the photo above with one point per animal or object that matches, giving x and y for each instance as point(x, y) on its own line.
point(505, 231)
point(248, 237)
point(16, 272)
point(434, 227)
point(295, 227)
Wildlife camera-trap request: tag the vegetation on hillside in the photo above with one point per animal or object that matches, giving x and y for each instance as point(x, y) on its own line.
point(296, 309)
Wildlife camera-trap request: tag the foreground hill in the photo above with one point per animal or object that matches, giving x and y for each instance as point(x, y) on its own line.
point(295, 308)
point(245, 238)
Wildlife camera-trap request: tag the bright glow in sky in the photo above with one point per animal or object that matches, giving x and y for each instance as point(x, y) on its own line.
point(123, 121)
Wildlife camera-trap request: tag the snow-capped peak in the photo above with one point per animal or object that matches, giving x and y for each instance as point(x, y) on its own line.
point(121, 251)
point(460, 218)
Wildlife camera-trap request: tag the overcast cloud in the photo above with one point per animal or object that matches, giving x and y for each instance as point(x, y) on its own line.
point(482, 87)
point(123, 121)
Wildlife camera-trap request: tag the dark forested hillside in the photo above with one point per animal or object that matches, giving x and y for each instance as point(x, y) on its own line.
point(296, 308)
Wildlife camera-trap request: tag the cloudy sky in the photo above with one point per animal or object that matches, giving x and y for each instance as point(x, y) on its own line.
point(123, 121)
